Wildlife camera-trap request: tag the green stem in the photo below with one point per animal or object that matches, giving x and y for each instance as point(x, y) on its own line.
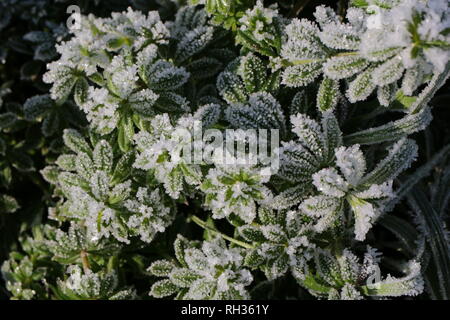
point(205, 226)
point(85, 261)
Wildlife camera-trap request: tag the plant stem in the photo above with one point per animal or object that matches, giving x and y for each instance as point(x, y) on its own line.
point(298, 7)
point(85, 261)
point(204, 225)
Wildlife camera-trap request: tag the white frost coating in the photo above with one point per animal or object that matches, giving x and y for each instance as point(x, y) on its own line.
point(365, 200)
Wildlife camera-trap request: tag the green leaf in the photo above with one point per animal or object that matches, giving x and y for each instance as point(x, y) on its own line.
point(122, 169)
point(184, 277)
point(103, 156)
point(75, 142)
point(164, 76)
point(8, 204)
point(327, 267)
point(252, 233)
point(400, 157)
point(410, 181)
point(161, 268)
point(253, 258)
point(302, 74)
point(125, 134)
point(7, 120)
point(403, 230)
point(172, 102)
point(51, 124)
point(163, 288)
point(328, 95)
point(67, 162)
point(204, 68)
point(50, 174)
point(37, 106)
point(362, 87)
point(231, 87)
point(180, 245)
point(435, 233)
point(81, 91)
point(84, 166)
point(253, 72)
point(344, 66)
point(392, 131)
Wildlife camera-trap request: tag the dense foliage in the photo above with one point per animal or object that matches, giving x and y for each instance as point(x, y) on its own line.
point(98, 198)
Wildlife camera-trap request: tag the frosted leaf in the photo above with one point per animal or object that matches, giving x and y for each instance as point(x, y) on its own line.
point(438, 57)
point(274, 233)
point(401, 155)
point(231, 87)
point(302, 29)
point(394, 130)
point(37, 106)
point(193, 42)
point(332, 133)
point(309, 133)
point(123, 77)
point(262, 112)
point(235, 189)
point(412, 80)
point(252, 70)
point(143, 101)
point(161, 150)
point(147, 56)
point(351, 162)
point(340, 36)
point(349, 266)
point(200, 273)
point(349, 292)
point(388, 72)
point(330, 183)
point(90, 285)
point(101, 110)
point(341, 67)
point(411, 284)
point(103, 156)
point(361, 87)
point(326, 209)
point(257, 23)
point(365, 214)
point(120, 192)
point(75, 141)
point(327, 266)
point(376, 191)
point(301, 75)
point(387, 94)
point(208, 114)
point(289, 197)
point(356, 17)
point(296, 163)
point(325, 15)
point(63, 81)
point(84, 165)
point(99, 184)
point(328, 95)
point(302, 41)
point(148, 214)
point(163, 75)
